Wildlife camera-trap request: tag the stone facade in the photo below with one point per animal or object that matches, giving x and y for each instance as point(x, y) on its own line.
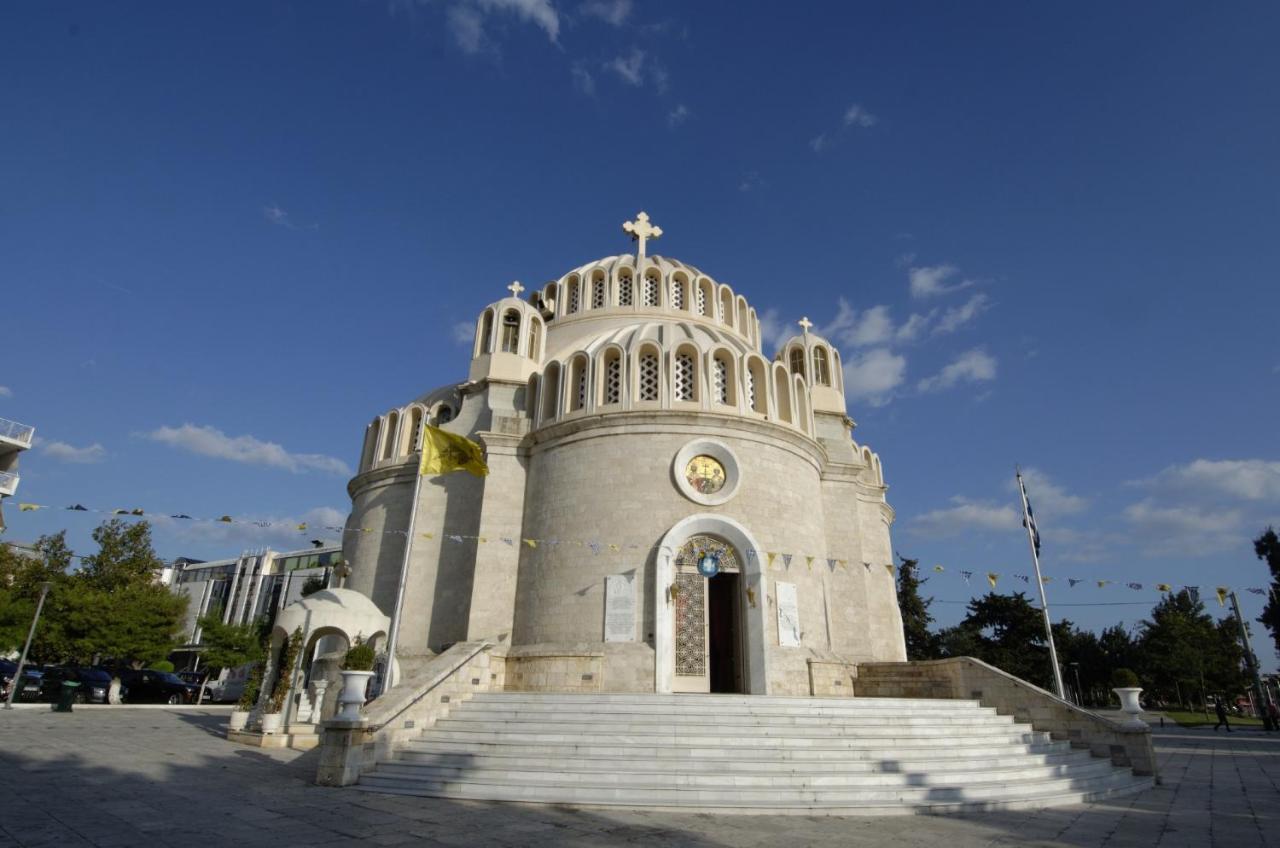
point(589, 397)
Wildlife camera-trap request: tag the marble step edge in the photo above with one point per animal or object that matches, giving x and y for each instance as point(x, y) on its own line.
point(726, 736)
point(685, 748)
point(718, 699)
point(467, 714)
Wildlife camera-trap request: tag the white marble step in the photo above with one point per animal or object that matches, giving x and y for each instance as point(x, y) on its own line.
point(732, 737)
point(639, 719)
point(717, 703)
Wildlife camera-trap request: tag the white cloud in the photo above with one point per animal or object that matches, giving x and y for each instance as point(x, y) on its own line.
point(582, 79)
point(467, 20)
point(210, 441)
point(1245, 479)
point(70, 453)
point(972, 366)
point(677, 116)
point(5, 391)
point(957, 316)
point(913, 327)
point(612, 12)
point(872, 326)
point(1047, 497)
point(773, 330)
point(855, 115)
point(467, 26)
point(874, 375)
point(820, 142)
point(1186, 530)
point(750, 182)
point(965, 515)
point(274, 214)
point(630, 68)
point(931, 280)
point(464, 332)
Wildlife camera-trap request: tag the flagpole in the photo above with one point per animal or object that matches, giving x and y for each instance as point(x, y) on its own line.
point(1044, 601)
point(393, 634)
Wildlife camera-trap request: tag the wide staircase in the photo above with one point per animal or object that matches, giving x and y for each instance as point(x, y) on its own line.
point(744, 754)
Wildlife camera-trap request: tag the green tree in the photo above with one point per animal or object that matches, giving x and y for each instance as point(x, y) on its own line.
point(312, 585)
point(1084, 667)
point(229, 645)
point(1005, 631)
point(1180, 646)
point(21, 573)
point(1267, 547)
point(922, 644)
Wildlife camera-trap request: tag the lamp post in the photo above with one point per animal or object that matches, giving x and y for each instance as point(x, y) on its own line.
point(1075, 667)
point(22, 660)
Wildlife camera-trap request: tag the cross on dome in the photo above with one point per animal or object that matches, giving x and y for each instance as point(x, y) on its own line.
point(516, 288)
point(805, 324)
point(641, 231)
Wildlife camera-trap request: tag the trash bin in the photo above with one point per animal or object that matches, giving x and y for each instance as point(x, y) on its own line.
point(66, 695)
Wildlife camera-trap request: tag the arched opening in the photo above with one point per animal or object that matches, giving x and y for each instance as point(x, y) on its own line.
point(578, 383)
point(742, 315)
point(726, 306)
point(444, 414)
point(533, 402)
point(415, 429)
point(795, 358)
point(703, 299)
point(599, 291)
point(626, 288)
point(486, 334)
point(684, 375)
point(550, 390)
point(802, 404)
point(574, 295)
point(821, 367)
point(837, 369)
point(757, 387)
point(510, 331)
point(652, 288)
point(370, 444)
point(649, 376)
point(723, 379)
point(612, 377)
point(782, 393)
point(535, 340)
point(389, 442)
point(679, 292)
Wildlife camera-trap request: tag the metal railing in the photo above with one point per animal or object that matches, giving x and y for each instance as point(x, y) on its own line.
point(8, 482)
point(15, 432)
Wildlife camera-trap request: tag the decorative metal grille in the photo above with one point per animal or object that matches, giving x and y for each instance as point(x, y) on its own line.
point(700, 300)
point(613, 380)
point(692, 551)
point(677, 294)
point(691, 624)
point(751, 389)
point(650, 290)
point(649, 377)
point(581, 388)
point(684, 377)
point(721, 379)
point(597, 293)
point(573, 296)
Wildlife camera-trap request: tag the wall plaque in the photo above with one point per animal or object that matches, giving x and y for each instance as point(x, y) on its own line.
point(788, 615)
point(620, 608)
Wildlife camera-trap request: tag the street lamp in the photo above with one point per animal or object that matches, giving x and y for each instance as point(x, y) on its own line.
point(1075, 667)
point(17, 674)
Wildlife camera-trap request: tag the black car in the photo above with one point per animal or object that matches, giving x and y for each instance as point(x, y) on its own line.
point(149, 686)
point(95, 684)
point(28, 689)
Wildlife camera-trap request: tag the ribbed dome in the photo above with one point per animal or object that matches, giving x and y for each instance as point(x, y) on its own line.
point(667, 334)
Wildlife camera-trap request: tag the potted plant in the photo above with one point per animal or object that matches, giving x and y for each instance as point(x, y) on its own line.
point(248, 698)
point(274, 713)
point(357, 668)
point(1125, 684)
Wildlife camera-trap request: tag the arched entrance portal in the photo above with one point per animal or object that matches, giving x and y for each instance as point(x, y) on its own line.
point(710, 595)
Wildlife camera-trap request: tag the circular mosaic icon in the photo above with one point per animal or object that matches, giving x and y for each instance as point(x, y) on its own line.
point(705, 474)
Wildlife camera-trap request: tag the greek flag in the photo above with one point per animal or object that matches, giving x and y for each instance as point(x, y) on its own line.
point(1029, 519)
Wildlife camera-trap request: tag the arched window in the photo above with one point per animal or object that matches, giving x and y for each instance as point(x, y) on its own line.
point(796, 359)
point(782, 393)
point(389, 443)
point(702, 301)
point(578, 384)
point(757, 387)
point(510, 331)
point(678, 286)
point(720, 380)
point(535, 339)
point(550, 390)
point(742, 315)
point(802, 406)
point(370, 443)
point(651, 286)
point(599, 292)
point(625, 289)
point(486, 334)
point(649, 375)
point(574, 295)
point(821, 368)
point(684, 380)
point(838, 371)
point(415, 429)
point(726, 306)
point(612, 377)
point(444, 415)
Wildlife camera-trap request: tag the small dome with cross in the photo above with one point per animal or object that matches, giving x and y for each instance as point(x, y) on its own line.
point(510, 339)
point(817, 360)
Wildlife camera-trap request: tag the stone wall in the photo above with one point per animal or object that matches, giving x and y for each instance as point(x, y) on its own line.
point(968, 678)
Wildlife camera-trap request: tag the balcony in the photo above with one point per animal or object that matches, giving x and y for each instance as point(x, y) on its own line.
point(8, 482)
point(16, 434)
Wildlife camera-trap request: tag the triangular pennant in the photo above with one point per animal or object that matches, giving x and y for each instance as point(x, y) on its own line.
point(831, 564)
point(939, 569)
point(454, 537)
point(1257, 591)
point(508, 542)
point(809, 562)
point(533, 543)
point(79, 508)
point(1134, 586)
point(1074, 580)
point(1102, 584)
point(595, 548)
point(226, 519)
point(1046, 579)
point(751, 553)
point(888, 566)
point(786, 561)
point(1222, 591)
point(428, 535)
point(302, 528)
point(481, 539)
point(992, 577)
point(28, 507)
point(966, 575)
point(1164, 587)
point(613, 548)
point(772, 556)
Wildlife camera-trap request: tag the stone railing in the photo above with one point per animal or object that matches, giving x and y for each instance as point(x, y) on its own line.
point(8, 482)
point(15, 432)
point(968, 678)
point(424, 695)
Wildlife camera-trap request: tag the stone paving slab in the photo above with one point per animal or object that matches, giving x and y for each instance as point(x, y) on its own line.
point(161, 778)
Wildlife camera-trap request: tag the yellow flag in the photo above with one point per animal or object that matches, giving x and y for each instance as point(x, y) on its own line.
point(533, 543)
point(25, 507)
point(444, 453)
point(1223, 591)
point(992, 577)
point(1164, 587)
point(888, 566)
point(772, 556)
point(809, 562)
point(939, 569)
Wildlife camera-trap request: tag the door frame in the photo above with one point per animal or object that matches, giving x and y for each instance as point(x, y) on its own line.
point(755, 659)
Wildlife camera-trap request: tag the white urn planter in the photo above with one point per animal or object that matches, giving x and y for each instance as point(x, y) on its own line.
point(1128, 696)
point(354, 685)
point(239, 718)
point(271, 722)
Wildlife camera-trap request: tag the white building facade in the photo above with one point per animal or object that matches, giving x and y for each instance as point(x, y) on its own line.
point(668, 508)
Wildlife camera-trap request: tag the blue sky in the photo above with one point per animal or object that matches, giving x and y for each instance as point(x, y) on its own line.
point(1047, 235)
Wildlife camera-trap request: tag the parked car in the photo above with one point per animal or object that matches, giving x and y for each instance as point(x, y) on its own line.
point(149, 686)
point(196, 679)
point(28, 689)
point(95, 684)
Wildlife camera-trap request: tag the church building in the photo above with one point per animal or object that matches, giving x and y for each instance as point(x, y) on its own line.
point(670, 507)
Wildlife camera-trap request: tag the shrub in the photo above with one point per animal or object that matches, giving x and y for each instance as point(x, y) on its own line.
point(1123, 678)
point(284, 676)
point(163, 665)
point(360, 657)
point(252, 687)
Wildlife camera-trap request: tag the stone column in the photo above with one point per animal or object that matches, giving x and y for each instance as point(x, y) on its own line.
point(493, 589)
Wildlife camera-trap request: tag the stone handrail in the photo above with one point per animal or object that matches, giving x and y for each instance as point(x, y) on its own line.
point(16, 432)
point(973, 679)
point(349, 748)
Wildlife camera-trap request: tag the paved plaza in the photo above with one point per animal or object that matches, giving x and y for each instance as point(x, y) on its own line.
point(151, 777)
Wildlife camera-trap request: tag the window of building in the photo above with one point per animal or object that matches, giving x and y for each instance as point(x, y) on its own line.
point(797, 361)
point(624, 289)
point(649, 376)
point(612, 377)
point(535, 339)
point(720, 380)
point(573, 295)
point(510, 331)
point(651, 289)
point(677, 294)
point(821, 370)
point(685, 388)
point(486, 333)
point(599, 290)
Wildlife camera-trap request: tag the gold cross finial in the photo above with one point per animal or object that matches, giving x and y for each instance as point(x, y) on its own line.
point(805, 324)
point(516, 288)
point(641, 231)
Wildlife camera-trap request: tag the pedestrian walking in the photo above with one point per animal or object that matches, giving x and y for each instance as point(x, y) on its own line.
point(1221, 710)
